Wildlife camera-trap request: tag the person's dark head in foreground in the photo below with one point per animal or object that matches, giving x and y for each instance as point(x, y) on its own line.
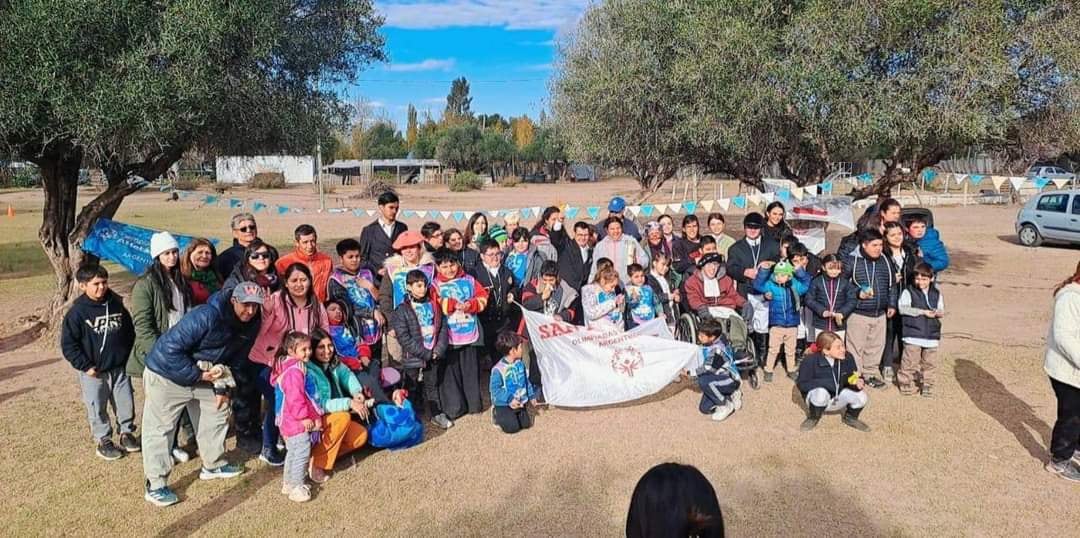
point(674, 500)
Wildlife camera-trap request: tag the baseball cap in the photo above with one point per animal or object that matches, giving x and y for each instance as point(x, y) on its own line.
point(616, 205)
point(248, 292)
point(753, 220)
point(408, 239)
point(710, 258)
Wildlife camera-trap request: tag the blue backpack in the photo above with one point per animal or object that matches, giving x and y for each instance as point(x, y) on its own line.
point(395, 427)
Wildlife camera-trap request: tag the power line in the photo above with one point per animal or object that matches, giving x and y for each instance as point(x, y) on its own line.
point(471, 82)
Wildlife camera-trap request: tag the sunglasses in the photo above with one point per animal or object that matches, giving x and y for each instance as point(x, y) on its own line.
point(260, 256)
point(247, 229)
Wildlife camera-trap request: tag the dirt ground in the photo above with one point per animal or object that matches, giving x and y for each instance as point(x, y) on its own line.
point(965, 463)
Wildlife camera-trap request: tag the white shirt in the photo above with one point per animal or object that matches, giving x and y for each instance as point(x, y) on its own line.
point(387, 227)
point(178, 303)
point(904, 308)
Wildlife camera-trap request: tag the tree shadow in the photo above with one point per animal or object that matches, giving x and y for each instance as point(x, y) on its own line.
point(9, 395)
point(1013, 240)
point(965, 262)
point(246, 486)
point(11, 371)
point(993, 399)
point(22, 338)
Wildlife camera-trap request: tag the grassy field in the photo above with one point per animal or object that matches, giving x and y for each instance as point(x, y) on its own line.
point(966, 463)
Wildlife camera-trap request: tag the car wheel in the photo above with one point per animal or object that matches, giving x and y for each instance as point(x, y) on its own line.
point(1029, 236)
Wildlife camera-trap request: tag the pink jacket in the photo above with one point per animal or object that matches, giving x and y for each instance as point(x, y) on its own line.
point(280, 315)
point(296, 406)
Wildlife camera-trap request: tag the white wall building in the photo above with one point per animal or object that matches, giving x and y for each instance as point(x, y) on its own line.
point(239, 169)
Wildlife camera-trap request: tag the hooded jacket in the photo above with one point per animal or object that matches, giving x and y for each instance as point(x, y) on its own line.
point(406, 324)
point(1062, 360)
point(320, 265)
point(392, 292)
point(97, 335)
point(359, 303)
point(622, 253)
point(294, 398)
point(279, 316)
point(211, 332)
point(933, 250)
point(332, 388)
point(150, 314)
point(741, 256)
point(785, 304)
point(873, 274)
point(510, 381)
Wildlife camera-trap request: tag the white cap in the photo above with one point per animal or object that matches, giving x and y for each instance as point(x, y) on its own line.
point(162, 242)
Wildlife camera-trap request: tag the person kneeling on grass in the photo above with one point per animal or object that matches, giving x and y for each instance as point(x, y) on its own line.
point(829, 380)
point(718, 377)
point(511, 392)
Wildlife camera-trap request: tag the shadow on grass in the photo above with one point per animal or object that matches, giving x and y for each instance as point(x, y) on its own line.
point(23, 259)
point(966, 262)
point(22, 338)
point(11, 371)
point(992, 398)
point(245, 486)
point(9, 395)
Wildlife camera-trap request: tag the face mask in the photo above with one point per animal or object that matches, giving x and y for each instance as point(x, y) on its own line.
point(557, 226)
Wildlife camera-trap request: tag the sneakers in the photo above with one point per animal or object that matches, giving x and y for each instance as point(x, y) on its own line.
point(1065, 469)
point(180, 455)
point(443, 421)
point(160, 497)
point(793, 374)
point(300, 494)
point(736, 399)
point(318, 475)
point(107, 451)
point(927, 391)
point(723, 411)
point(272, 457)
point(129, 443)
point(888, 374)
point(225, 471)
point(768, 377)
point(875, 383)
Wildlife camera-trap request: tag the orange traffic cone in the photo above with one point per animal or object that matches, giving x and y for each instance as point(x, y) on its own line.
point(10, 212)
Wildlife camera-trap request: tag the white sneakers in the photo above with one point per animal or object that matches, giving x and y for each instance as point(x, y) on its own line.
point(300, 494)
point(733, 404)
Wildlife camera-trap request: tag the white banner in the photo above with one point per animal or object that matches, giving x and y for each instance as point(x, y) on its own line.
point(590, 367)
point(809, 219)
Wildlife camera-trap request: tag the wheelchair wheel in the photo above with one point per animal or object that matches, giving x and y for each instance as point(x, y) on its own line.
point(686, 329)
point(754, 382)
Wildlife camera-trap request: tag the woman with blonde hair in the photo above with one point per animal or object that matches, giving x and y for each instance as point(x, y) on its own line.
point(829, 380)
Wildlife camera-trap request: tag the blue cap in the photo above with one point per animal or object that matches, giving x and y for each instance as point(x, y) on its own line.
point(616, 205)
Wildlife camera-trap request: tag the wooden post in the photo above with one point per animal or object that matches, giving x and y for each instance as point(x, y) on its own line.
point(966, 192)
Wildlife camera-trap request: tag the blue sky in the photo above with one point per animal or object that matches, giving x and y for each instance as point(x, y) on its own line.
point(505, 48)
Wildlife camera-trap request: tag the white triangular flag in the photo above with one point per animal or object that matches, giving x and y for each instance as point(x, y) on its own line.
point(724, 203)
point(1060, 182)
point(1017, 182)
point(537, 211)
point(707, 204)
point(754, 199)
point(797, 192)
point(422, 213)
point(493, 214)
point(371, 212)
point(446, 214)
point(959, 178)
point(998, 181)
point(769, 197)
point(635, 209)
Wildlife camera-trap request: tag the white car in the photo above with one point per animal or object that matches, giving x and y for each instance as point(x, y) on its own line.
point(1051, 173)
point(1050, 216)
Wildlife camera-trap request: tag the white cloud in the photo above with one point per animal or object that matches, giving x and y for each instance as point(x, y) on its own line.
point(538, 67)
point(434, 101)
point(430, 64)
point(511, 14)
point(375, 104)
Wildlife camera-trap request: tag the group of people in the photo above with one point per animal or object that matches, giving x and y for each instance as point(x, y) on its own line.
point(314, 359)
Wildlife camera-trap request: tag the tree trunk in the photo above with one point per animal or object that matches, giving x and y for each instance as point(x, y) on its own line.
point(60, 177)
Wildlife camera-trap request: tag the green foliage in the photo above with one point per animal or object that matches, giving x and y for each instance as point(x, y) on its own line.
point(412, 129)
point(745, 85)
point(20, 178)
point(466, 181)
point(267, 180)
point(427, 140)
point(460, 146)
point(458, 102)
point(496, 148)
point(382, 141)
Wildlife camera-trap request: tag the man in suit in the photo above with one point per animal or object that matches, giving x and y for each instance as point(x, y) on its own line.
point(496, 278)
point(575, 260)
point(377, 238)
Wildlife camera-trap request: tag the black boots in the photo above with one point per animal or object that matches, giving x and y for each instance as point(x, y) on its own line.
point(813, 415)
point(851, 418)
point(761, 347)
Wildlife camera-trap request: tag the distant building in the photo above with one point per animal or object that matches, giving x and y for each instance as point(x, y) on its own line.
point(239, 169)
point(402, 170)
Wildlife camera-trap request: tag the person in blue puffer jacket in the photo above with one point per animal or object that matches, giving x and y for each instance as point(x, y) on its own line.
point(931, 248)
point(783, 287)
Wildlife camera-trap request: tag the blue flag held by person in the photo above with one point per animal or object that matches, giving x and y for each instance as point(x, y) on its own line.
point(125, 244)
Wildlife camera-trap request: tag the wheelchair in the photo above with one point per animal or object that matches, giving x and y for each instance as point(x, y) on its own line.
point(736, 331)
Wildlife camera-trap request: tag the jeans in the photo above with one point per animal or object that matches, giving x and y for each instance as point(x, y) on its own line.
point(270, 432)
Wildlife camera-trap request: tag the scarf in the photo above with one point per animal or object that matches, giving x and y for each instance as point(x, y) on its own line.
point(208, 278)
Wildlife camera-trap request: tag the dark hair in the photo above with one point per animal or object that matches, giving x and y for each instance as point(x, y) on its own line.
point(660, 256)
point(549, 268)
point(164, 280)
point(87, 273)
point(415, 276)
point(924, 269)
point(488, 244)
point(891, 225)
point(388, 197)
point(429, 228)
point(711, 327)
point(548, 212)
point(519, 234)
point(444, 255)
point(451, 231)
point(917, 218)
point(314, 306)
point(347, 245)
point(246, 270)
point(869, 234)
point(716, 216)
point(468, 235)
point(665, 216)
point(788, 238)
point(674, 500)
point(318, 335)
point(634, 268)
point(1074, 278)
point(886, 203)
point(611, 219)
point(304, 229)
point(582, 225)
point(707, 240)
point(506, 341)
point(690, 219)
point(797, 249)
point(773, 206)
point(604, 261)
point(290, 339)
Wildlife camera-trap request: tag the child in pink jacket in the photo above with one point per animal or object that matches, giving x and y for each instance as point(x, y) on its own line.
point(298, 417)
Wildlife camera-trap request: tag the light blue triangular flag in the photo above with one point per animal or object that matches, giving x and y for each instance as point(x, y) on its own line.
point(408, 213)
point(235, 203)
point(739, 201)
point(866, 177)
point(826, 187)
point(648, 210)
point(212, 199)
point(594, 212)
point(281, 210)
point(690, 207)
point(571, 212)
point(358, 213)
point(929, 174)
point(525, 212)
point(975, 179)
point(258, 206)
point(459, 216)
point(783, 195)
point(1041, 182)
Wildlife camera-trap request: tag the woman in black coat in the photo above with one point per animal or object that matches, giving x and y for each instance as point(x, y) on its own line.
point(902, 260)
